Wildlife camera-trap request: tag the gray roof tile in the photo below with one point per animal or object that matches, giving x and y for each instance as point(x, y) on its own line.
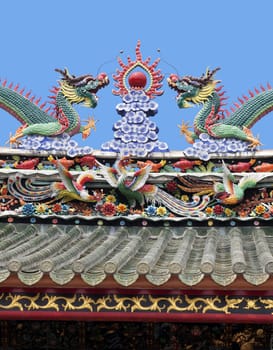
point(127, 253)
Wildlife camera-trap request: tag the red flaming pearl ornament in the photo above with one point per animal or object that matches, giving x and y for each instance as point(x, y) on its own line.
point(137, 80)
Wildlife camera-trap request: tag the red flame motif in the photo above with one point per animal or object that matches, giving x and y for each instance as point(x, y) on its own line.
point(155, 77)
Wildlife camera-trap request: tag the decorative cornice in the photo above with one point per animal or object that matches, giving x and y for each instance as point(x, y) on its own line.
point(135, 304)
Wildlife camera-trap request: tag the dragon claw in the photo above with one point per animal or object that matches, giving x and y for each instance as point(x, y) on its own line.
point(184, 130)
point(91, 124)
point(13, 140)
point(254, 142)
point(184, 127)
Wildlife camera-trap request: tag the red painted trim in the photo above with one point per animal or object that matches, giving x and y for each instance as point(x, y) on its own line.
point(134, 317)
point(120, 291)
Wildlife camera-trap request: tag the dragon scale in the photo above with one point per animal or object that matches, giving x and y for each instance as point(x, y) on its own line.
point(72, 116)
point(201, 117)
point(22, 108)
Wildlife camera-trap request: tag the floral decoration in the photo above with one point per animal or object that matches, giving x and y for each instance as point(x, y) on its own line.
point(108, 209)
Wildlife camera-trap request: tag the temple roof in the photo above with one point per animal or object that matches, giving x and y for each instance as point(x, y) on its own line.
point(128, 254)
point(136, 214)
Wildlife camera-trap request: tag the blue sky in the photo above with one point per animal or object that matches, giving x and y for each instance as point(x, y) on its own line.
point(87, 36)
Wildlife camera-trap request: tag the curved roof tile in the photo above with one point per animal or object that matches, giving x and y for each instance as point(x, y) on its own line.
point(157, 253)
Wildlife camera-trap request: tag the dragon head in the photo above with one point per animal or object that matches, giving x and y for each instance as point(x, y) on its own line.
point(192, 90)
point(82, 89)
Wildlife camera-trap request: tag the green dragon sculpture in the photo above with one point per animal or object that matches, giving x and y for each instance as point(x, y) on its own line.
point(63, 118)
point(212, 119)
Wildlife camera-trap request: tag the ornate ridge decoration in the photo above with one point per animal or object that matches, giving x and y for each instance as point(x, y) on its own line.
point(138, 80)
point(216, 129)
point(84, 188)
point(132, 185)
point(225, 305)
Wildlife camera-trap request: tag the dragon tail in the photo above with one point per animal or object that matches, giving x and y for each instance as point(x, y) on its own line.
point(260, 104)
point(29, 112)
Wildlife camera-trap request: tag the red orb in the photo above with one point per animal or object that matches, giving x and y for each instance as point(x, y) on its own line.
point(137, 80)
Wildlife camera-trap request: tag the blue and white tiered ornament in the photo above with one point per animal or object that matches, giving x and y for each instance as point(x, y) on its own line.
point(135, 133)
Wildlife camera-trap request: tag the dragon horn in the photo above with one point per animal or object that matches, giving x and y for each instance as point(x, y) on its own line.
point(72, 79)
point(209, 74)
point(203, 80)
point(65, 73)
